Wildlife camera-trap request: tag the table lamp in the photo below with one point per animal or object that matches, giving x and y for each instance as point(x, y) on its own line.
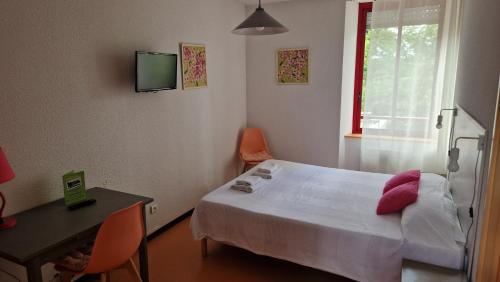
point(6, 174)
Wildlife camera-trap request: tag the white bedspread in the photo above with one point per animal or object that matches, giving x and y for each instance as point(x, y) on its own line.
point(315, 216)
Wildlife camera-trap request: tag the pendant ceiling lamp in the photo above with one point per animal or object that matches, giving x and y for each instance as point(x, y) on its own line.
point(259, 23)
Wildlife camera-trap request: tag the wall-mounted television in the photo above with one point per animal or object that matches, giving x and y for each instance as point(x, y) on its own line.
point(155, 71)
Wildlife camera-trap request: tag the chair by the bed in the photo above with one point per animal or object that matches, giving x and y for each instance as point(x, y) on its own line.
point(253, 148)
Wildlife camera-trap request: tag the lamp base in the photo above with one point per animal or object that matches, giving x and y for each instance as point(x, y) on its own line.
point(7, 223)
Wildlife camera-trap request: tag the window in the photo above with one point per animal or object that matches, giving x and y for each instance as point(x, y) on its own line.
point(362, 48)
point(412, 46)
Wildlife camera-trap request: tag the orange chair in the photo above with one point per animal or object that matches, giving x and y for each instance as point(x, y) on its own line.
point(253, 148)
point(117, 241)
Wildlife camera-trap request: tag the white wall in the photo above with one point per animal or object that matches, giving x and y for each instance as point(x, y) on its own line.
point(301, 122)
point(349, 148)
point(479, 61)
point(479, 69)
point(67, 100)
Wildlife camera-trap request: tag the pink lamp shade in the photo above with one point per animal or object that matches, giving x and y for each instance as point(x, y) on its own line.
point(6, 174)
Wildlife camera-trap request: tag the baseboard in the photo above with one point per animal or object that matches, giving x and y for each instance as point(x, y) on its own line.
point(170, 224)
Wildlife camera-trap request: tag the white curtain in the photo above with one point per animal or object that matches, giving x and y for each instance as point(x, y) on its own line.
point(410, 75)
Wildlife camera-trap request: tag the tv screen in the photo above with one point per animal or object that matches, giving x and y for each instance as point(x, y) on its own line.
point(155, 71)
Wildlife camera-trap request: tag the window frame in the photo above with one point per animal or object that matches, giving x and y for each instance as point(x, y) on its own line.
point(364, 9)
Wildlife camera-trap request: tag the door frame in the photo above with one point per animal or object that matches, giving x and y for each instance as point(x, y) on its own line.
point(489, 254)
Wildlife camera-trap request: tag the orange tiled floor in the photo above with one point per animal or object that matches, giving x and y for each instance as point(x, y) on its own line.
point(175, 257)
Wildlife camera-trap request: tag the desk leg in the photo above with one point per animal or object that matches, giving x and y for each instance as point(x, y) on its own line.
point(34, 269)
point(143, 252)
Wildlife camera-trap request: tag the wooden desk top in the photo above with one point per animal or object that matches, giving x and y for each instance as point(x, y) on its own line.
point(45, 227)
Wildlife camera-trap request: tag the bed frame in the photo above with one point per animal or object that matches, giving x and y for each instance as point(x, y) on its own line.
point(204, 247)
point(461, 182)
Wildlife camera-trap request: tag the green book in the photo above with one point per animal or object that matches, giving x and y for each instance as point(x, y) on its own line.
point(74, 187)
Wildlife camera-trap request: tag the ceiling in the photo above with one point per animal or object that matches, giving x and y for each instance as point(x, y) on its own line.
point(254, 2)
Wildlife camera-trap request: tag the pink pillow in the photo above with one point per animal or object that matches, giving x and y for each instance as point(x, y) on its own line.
point(398, 198)
point(403, 177)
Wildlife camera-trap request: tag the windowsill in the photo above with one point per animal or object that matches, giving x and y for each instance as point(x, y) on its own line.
point(353, 135)
point(406, 139)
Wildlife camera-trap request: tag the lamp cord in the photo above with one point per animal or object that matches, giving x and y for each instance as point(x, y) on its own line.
point(471, 209)
point(473, 194)
point(450, 141)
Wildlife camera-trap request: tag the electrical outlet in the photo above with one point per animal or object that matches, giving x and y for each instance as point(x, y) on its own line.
point(106, 183)
point(153, 208)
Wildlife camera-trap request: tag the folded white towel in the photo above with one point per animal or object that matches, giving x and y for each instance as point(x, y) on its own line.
point(251, 180)
point(262, 175)
point(267, 168)
point(243, 188)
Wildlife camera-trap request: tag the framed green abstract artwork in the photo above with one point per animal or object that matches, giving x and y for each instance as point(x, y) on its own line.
point(292, 66)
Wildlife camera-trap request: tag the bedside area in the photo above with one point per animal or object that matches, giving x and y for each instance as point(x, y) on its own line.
point(417, 271)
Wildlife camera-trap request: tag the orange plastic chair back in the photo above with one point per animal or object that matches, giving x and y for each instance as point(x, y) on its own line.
point(118, 239)
point(253, 141)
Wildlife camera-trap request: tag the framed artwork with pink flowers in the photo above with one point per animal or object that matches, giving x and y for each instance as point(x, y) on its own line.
point(194, 66)
point(292, 66)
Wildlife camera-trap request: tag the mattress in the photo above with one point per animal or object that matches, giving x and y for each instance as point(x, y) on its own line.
point(314, 216)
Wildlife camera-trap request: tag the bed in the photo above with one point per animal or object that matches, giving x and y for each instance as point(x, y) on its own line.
point(322, 218)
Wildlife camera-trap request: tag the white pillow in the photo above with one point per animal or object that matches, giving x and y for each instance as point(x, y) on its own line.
point(433, 183)
point(432, 219)
point(430, 226)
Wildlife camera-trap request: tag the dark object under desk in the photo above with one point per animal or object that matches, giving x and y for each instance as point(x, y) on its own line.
point(50, 230)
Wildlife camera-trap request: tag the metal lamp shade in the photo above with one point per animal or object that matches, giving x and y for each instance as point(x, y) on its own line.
point(260, 23)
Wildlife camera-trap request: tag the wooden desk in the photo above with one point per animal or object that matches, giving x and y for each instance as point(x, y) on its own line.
point(49, 231)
